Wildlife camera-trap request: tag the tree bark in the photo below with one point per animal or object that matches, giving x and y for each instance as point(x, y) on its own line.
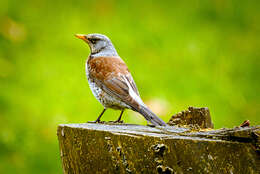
point(124, 148)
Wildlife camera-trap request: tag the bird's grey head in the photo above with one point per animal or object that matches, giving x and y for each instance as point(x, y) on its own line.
point(100, 45)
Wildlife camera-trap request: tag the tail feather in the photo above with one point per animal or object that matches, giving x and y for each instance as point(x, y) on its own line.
point(150, 116)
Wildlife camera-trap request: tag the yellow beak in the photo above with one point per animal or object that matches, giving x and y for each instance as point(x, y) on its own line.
point(81, 36)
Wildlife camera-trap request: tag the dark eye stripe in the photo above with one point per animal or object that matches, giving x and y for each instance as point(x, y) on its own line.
point(93, 40)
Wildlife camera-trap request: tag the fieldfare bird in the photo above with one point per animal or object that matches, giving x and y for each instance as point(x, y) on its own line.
point(110, 80)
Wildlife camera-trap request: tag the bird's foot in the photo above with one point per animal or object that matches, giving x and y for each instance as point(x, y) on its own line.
point(97, 121)
point(117, 121)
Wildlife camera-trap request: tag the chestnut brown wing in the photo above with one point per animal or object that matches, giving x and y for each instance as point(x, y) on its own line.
point(112, 75)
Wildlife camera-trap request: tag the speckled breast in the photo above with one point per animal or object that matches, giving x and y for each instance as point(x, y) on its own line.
point(105, 99)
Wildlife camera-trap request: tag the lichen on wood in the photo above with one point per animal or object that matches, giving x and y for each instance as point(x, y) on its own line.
point(123, 148)
point(193, 117)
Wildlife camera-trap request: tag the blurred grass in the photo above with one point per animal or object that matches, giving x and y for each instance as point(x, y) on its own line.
point(181, 53)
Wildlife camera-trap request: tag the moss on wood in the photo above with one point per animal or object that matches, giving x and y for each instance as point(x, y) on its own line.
point(110, 148)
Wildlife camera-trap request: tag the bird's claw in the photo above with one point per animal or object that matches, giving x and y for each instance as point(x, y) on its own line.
point(97, 121)
point(117, 121)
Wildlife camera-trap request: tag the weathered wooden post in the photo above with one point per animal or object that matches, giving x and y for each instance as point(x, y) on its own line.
point(123, 148)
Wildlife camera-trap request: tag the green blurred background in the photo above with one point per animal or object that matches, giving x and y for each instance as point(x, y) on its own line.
point(185, 53)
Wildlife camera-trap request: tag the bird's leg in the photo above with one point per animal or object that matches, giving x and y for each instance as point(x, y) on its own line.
point(98, 119)
point(119, 118)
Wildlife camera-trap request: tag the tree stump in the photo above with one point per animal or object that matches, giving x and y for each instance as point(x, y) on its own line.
point(123, 148)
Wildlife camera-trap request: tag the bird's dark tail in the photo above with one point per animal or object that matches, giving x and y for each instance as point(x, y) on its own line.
point(150, 116)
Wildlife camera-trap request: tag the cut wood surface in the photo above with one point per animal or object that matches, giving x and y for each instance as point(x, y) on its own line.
point(126, 148)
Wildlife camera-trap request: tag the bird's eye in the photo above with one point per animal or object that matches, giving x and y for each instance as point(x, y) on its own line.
point(93, 41)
